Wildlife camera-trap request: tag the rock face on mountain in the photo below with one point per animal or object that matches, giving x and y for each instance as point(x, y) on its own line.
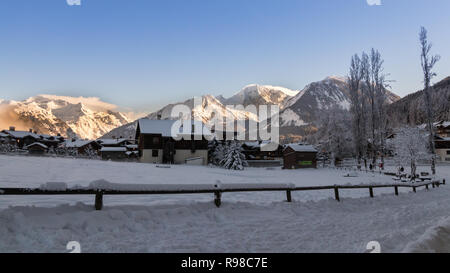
point(83, 117)
point(411, 109)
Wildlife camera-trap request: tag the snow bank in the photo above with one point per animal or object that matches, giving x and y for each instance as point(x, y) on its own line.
point(322, 226)
point(105, 185)
point(436, 239)
point(256, 186)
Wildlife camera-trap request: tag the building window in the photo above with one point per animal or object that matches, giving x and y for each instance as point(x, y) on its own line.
point(155, 140)
point(155, 153)
point(448, 152)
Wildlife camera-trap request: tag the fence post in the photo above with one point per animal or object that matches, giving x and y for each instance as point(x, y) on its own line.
point(217, 198)
point(414, 189)
point(443, 181)
point(98, 201)
point(426, 186)
point(371, 191)
point(288, 196)
point(336, 193)
point(432, 184)
point(396, 190)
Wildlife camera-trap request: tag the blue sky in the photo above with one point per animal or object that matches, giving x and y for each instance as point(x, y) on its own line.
point(143, 54)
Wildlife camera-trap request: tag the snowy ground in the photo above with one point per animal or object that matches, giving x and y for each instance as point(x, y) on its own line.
point(246, 222)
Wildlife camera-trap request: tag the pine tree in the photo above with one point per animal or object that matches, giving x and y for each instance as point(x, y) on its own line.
point(217, 149)
point(233, 159)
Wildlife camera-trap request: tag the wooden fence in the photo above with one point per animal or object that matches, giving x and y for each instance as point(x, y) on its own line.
point(217, 192)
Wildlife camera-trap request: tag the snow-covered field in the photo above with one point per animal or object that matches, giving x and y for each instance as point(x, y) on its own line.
point(246, 222)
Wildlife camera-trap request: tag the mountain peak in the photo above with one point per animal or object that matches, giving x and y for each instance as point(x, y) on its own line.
point(51, 114)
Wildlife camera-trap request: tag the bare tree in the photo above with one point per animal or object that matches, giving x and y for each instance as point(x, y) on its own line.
point(428, 61)
point(354, 82)
point(367, 86)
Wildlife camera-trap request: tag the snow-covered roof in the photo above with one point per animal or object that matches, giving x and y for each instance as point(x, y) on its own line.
point(132, 146)
point(302, 148)
point(3, 135)
point(111, 141)
point(37, 144)
point(20, 134)
point(443, 124)
point(164, 127)
point(77, 143)
point(252, 144)
point(113, 149)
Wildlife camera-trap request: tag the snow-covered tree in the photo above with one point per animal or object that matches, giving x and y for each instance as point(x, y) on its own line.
point(428, 61)
point(367, 86)
point(233, 159)
point(410, 145)
point(356, 106)
point(8, 148)
point(335, 133)
point(216, 152)
point(90, 153)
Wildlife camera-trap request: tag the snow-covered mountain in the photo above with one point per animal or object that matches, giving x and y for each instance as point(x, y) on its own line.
point(92, 118)
point(69, 116)
point(300, 113)
point(250, 95)
point(255, 94)
point(300, 110)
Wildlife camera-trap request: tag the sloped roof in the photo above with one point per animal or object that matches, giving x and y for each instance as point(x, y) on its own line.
point(37, 144)
point(302, 148)
point(111, 141)
point(21, 134)
point(113, 149)
point(77, 143)
point(164, 127)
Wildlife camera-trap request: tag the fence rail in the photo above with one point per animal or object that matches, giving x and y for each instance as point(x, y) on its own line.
point(217, 192)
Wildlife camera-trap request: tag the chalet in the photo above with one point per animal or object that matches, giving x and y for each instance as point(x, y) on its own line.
point(114, 153)
point(298, 156)
point(25, 138)
point(83, 147)
point(257, 156)
point(157, 144)
point(443, 128)
point(36, 148)
point(4, 138)
point(50, 141)
point(21, 138)
point(115, 142)
point(442, 145)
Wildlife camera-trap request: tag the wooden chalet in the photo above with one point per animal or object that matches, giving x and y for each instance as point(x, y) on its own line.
point(157, 144)
point(37, 148)
point(82, 146)
point(299, 156)
point(115, 142)
point(21, 138)
point(442, 145)
point(114, 153)
point(443, 128)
